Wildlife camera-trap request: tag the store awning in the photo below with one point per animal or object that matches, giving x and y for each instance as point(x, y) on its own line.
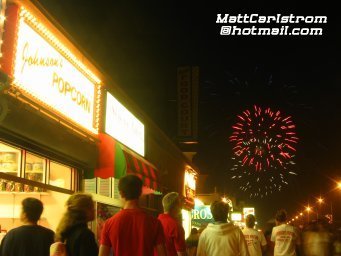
point(114, 161)
point(111, 160)
point(145, 171)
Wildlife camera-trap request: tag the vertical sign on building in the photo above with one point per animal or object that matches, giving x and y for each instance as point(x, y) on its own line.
point(188, 81)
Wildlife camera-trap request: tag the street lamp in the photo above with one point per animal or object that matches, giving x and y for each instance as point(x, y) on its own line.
point(308, 210)
point(339, 185)
point(320, 201)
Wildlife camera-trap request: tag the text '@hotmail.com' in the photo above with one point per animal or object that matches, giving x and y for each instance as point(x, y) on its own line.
point(271, 25)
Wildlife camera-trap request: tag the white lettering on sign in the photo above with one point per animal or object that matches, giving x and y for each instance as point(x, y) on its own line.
point(67, 89)
point(123, 125)
point(33, 59)
point(203, 213)
point(247, 211)
point(49, 77)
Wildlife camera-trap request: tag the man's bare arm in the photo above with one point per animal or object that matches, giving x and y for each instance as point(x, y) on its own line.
point(104, 250)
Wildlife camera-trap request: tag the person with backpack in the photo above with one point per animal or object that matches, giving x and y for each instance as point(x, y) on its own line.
point(30, 238)
point(73, 232)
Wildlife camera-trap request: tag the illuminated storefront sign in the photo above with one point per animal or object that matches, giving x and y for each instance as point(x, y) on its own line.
point(247, 211)
point(190, 185)
point(201, 215)
point(123, 125)
point(236, 216)
point(44, 69)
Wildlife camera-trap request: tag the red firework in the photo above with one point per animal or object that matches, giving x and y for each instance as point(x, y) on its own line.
point(264, 139)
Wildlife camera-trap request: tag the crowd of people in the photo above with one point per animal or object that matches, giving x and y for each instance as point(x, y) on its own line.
point(133, 232)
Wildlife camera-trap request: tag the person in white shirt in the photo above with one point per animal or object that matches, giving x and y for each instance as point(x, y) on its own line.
point(255, 240)
point(221, 238)
point(285, 237)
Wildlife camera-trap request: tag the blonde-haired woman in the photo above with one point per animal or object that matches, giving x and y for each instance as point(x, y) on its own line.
point(73, 229)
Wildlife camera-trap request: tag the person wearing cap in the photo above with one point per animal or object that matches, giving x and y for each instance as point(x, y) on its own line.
point(171, 223)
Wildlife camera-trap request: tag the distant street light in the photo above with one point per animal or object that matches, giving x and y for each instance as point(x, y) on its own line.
point(339, 185)
point(308, 210)
point(320, 201)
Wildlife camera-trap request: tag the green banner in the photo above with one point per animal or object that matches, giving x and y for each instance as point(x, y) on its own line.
point(201, 215)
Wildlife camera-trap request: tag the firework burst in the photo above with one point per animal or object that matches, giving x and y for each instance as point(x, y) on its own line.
point(264, 145)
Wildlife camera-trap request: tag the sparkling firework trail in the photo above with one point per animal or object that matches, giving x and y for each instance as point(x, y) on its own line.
point(264, 142)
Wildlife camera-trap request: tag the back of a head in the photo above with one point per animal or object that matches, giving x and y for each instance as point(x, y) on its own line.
point(79, 204)
point(79, 210)
point(250, 221)
point(281, 215)
point(33, 208)
point(169, 201)
point(219, 210)
point(130, 187)
point(194, 231)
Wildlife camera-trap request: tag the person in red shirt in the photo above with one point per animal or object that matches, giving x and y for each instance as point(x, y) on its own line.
point(173, 230)
point(131, 231)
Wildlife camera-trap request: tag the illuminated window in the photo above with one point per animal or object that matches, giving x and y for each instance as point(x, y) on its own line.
point(35, 167)
point(60, 175)
point(24, 164)
point(10, 159)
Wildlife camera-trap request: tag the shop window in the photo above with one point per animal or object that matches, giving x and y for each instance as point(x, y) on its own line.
point(35, 167)
point(10, 159)
point(60, 175)
point(23, 164)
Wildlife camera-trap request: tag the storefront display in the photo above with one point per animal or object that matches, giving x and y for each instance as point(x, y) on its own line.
point(186, 222)
point(48, 138)
point(11, 208)
point(104, 212)
point(10, 159)
point(36, 168)
point(189, 202)
point(27, 167)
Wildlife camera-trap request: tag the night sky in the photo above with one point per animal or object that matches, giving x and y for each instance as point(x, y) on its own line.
point(141, 44)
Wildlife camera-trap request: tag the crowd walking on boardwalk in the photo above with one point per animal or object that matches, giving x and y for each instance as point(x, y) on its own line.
point(132, 231)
